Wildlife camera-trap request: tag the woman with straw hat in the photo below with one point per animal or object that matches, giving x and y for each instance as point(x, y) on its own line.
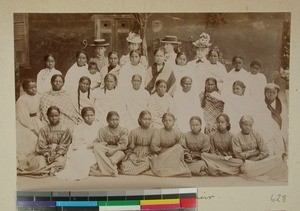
point(170, 44)
point(100, 48)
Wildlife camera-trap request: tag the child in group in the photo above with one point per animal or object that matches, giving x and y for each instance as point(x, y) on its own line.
point(130, 69)
point(137, 155)
point(52, 145)
point(109, 147)
point(160, 71)
point(167, 145)
point(159, 103)
point(249, 146)
point(216, 69)
point(258, 81)
point(186, 103)
point(113, 67)
point(238, 73)
point(44, 76)
point(196, 143)
point(94, 75)
point(136, 101)
point(80, 156)
point(100, 48)
point(220, 160)
point(212, 104)
point(134, 41)
point(28, 119)
point(84, 96)
point(171, 47)
point(107, 99)
point(75, 72)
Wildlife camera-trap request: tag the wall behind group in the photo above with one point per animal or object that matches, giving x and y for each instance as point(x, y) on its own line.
point(253, 36)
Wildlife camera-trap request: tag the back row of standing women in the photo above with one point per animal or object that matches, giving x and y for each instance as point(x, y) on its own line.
point(173, 85)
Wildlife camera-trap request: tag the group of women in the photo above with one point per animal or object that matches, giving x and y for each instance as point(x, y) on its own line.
point(113, 116)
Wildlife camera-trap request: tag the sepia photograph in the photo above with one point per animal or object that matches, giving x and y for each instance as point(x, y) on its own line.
point(151, 100)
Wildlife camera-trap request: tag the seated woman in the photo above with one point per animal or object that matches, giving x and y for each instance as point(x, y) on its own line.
point(107, 99)
point(109, 147)
point(249, 146)
point(212, 104)
point(52, 146)
point(61, 99)
point(186, 103)
point(196, 143)
point(28, 119)
point(167, 144)
point(159, 103)
point(136, 101)
point(137, 155)
point(220, 160)
point(80, 156)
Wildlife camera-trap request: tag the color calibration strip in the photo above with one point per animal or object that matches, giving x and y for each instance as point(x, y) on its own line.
point(155, 199)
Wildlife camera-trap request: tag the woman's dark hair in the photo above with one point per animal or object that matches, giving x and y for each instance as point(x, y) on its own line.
point(135, 51)
point(239, 83)
point(46, 57)
point(168, 114)
point(110, 114)
point(142, 114)
point(78, 90)
point(26, 82)
point(214, 50)
point(113, 52)
point(237, 57)
point(86, 109)
point(256, 62)
point(158, 82)
point(184, 78)
point(51, 108)
point(203, 102)
point(106, 77)
point(226, 117)
point(81, 52)
point(180, 54)
point(136, 75)
point(196, 118)
point(159, 49)
point(57, 75)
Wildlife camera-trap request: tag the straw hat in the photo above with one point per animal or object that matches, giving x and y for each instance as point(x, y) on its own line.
point(203, 41)
point(134, 38)
point(170, 39)
point(99, 43)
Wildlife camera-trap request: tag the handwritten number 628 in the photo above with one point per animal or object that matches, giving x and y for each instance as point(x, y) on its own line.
point(278, 198)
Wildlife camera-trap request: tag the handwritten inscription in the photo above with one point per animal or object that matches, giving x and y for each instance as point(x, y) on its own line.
point(206, 197)
point(278, 198)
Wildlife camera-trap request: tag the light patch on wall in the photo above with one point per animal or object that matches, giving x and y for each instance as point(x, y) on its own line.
point(157, 26)
point(259, 25)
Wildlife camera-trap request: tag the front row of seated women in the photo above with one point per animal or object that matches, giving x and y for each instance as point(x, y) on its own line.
point(164, 152)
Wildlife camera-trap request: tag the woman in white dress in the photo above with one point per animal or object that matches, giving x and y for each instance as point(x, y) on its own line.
point(80, 156)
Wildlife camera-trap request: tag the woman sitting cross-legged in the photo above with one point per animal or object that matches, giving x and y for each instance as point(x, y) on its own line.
point(249, 146)
point(109, 147)
point(52, 146)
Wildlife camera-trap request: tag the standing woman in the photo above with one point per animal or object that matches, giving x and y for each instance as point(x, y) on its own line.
point(113, 67)
point(79, 69)
point(212, 104)
point(100, 48)
point(166, 144)
point(220, 160)
point(279, 114)
point(249, 146)
point(160, 70)
point(109, 147)
point(171, 47)
point(159, 103)
point(60, 98)
point(44, 76)
point(28, 119)
point(134, 42)
point(138, 152)
point(52, 146)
